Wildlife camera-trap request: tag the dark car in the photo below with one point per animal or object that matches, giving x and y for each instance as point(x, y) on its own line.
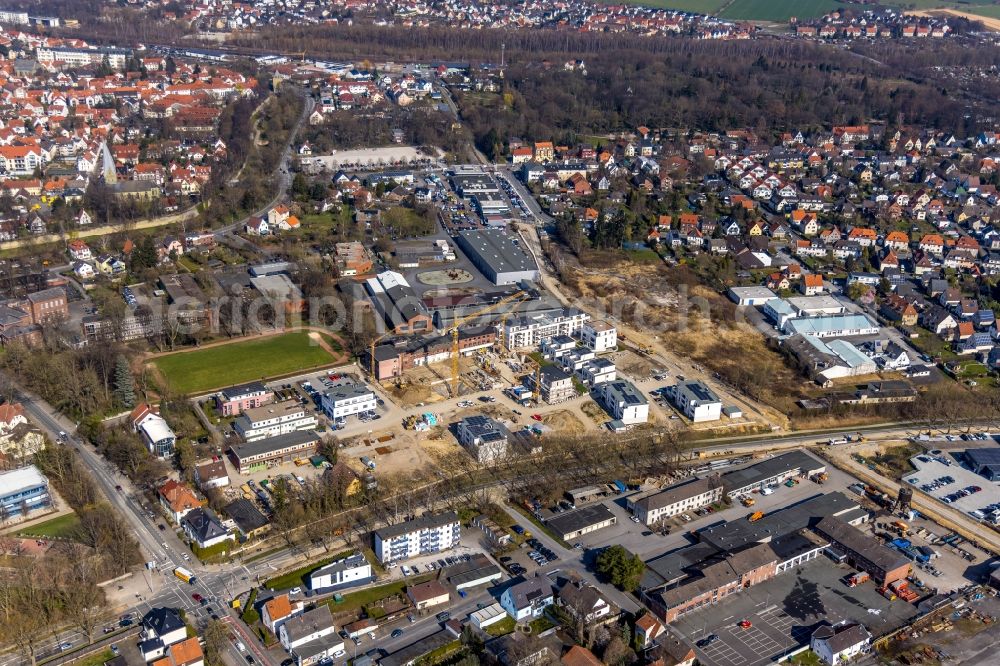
point(443, 616)
point(708, 640)
point(163, 528)
point(396, 633)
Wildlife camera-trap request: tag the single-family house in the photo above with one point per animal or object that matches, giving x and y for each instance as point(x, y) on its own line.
point(528, 599)
point(204, 528)
point(177, 499)
point(279, 609)
point(840, 643)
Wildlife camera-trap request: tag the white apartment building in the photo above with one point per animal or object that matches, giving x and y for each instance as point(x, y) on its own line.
point(431, 533)
point(272, 420)
point(624, 402)
point(600, 336)
point(348, 399)
point(117, 58)
point(484, 438)
point(677, 499)
point(531, 330)
point(349, 571)
point(697, 401)
point(597, 371)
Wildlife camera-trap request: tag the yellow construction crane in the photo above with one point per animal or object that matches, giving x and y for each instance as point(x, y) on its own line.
point(458, 323)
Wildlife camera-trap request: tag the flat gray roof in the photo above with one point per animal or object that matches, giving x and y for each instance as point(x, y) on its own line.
point(495, 248)
point(424, 522)
point(765, 469)
point(571, 521)
point(270, 444)
point(740, 533)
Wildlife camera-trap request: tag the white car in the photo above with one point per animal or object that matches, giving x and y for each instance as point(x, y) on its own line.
point(338, 654)
point(295, 590)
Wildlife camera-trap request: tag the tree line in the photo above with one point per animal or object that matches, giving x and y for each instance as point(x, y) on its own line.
point(41, 593)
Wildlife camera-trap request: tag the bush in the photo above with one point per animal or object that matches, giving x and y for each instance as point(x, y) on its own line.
point(212, 552)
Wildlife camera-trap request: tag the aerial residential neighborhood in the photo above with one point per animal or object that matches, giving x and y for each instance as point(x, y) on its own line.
point(341, 333)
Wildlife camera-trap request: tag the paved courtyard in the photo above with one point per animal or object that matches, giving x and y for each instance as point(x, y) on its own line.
point(784, 613)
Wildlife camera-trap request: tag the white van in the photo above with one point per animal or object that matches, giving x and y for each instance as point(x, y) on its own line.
point(766, 491)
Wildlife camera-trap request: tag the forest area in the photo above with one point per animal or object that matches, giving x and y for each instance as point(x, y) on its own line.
point(421, 125)
point(678, 82)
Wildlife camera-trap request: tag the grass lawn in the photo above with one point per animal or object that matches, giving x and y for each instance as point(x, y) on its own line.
point(538, 625)
point(502, 628)
point(60, 527)
point(95, 659)
point(205, 369)
point(807, 658)
point(356, 600)
point(298, 577)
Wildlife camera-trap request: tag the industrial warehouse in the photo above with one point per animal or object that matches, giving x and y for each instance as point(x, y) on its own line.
point(498, 256)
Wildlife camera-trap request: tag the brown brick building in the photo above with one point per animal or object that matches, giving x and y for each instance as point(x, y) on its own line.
point(392, 360)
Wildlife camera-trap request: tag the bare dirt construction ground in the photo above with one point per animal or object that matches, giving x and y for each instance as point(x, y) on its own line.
point(990, 23)
point(633, 364)
point(691, 323)
point(445, 277)
point(564, 422)
point(392, 453)
point(595, 412)
point(429, 384)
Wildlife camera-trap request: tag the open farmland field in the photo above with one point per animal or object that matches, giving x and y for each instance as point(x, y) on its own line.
point(777, 10)
point(202, 370)
point(782, 10)
point(693, 6)
point(989, 11)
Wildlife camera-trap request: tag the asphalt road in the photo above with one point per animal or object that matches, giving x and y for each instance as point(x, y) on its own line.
point(284, 174)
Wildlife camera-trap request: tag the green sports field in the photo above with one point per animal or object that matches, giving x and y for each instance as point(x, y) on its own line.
point(202, 370)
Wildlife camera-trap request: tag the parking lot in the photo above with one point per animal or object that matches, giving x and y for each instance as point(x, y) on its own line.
point(944, 478)
point(647, 542)
point(784, 612)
